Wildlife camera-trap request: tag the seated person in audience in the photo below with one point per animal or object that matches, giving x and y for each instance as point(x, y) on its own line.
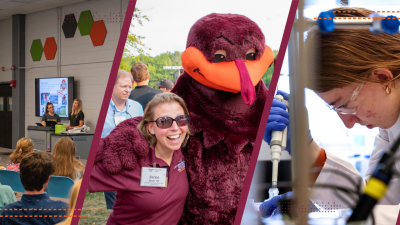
point(66, 164)
point(35, 171)
point(7, 196)
point(24, 146)
point(72, 202)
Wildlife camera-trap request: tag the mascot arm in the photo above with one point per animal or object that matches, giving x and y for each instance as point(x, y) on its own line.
point(122, 147)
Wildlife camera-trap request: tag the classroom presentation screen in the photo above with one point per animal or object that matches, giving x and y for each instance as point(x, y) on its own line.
point(58, 91)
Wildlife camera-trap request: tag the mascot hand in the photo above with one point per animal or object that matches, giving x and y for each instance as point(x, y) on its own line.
point(122, 147)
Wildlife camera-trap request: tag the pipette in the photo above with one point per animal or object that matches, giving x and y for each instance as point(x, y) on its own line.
point(278, 144)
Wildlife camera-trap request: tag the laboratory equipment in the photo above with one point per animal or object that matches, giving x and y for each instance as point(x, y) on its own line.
point(278, 144)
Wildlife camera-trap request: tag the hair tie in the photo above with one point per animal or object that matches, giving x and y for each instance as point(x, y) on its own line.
point(20, 149)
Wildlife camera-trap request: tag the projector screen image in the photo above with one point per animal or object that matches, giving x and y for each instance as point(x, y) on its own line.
point(58, 91)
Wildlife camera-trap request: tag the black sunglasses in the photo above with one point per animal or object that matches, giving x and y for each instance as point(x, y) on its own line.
point(166, 122)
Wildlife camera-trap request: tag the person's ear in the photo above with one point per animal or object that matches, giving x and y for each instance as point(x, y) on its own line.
point(148, 77)
point(150, 128)
point(382, 75)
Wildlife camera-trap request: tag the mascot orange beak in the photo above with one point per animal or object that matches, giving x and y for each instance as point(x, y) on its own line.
point(235, 76)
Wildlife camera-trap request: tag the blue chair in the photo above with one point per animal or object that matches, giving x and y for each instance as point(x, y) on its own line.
point(59, 186)
point(12, 179)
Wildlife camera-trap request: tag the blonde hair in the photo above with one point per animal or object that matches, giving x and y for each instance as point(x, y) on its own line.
point(72, 202)
point(348, 56)
point(24, 146)
point(123, 73)
point(166, 97)
point(64, 155)
point(79, 107)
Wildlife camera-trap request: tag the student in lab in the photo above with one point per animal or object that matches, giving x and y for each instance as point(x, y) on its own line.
point(358, 77)
point(76, 117)
point(50, 115)
point(155, 189)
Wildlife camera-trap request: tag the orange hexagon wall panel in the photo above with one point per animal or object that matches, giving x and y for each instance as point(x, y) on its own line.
point(50, 48)
point(98, 33)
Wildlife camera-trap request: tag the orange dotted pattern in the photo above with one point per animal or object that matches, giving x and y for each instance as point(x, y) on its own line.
point(47, 210)
point(349, 18)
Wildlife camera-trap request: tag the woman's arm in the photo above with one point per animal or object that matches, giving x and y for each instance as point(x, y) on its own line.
point(43, 123)
point(80, 124)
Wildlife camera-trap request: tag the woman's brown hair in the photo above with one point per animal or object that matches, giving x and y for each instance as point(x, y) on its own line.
point(24, 146)
point(166, 97)
point(348, 56)
point(47, 107)
point(64, 155)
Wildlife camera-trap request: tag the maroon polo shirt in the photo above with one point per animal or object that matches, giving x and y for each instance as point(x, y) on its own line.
point(144, 205)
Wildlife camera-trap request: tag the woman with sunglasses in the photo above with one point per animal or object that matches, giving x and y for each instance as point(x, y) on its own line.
point(358, 77)
point(50, 115)
point(154, 191)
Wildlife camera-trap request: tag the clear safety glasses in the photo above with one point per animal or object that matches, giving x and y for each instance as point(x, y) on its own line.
point(343, 108)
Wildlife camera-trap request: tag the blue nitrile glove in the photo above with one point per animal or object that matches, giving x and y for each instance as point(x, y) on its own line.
point(278, 120)
point(270, 206)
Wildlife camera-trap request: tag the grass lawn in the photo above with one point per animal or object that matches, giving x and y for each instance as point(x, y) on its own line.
point(94, 217)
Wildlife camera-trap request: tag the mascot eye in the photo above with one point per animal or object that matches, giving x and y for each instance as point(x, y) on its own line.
point(251, 54)
point(219, 56)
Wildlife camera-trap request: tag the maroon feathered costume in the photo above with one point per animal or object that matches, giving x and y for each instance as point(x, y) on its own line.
point(223, 126)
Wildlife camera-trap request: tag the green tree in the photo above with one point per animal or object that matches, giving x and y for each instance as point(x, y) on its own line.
point(268, 74)
point(134, 45)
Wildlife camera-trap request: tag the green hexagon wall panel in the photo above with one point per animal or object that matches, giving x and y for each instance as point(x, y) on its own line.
point(36, 50)
point(85, 22)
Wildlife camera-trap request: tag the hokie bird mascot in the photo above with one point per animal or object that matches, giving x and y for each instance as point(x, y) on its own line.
point(224, 61)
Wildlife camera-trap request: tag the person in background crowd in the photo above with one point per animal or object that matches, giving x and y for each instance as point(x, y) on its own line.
point(24, 146)
point(35, 171)
point(142, 93)
point(120, 109)
point(7, 196)
point(165, 85)
point(66, 164)
point(76, 118)
point(50, 115)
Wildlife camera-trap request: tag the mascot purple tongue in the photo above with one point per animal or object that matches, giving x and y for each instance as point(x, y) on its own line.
point(223, 122)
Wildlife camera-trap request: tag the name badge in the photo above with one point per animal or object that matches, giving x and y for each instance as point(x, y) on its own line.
point(153, 177)
point(119, 119)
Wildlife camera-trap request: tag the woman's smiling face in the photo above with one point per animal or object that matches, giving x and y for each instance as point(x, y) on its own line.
point(169, 138)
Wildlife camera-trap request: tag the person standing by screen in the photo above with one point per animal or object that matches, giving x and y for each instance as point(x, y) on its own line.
point(50, 115)
point(77, 116)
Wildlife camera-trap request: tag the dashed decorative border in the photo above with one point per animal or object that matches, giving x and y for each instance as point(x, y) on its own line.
point(353, 11)
point(39, 216)
point(50, 209)
point(344, 11)
point(349, 18)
